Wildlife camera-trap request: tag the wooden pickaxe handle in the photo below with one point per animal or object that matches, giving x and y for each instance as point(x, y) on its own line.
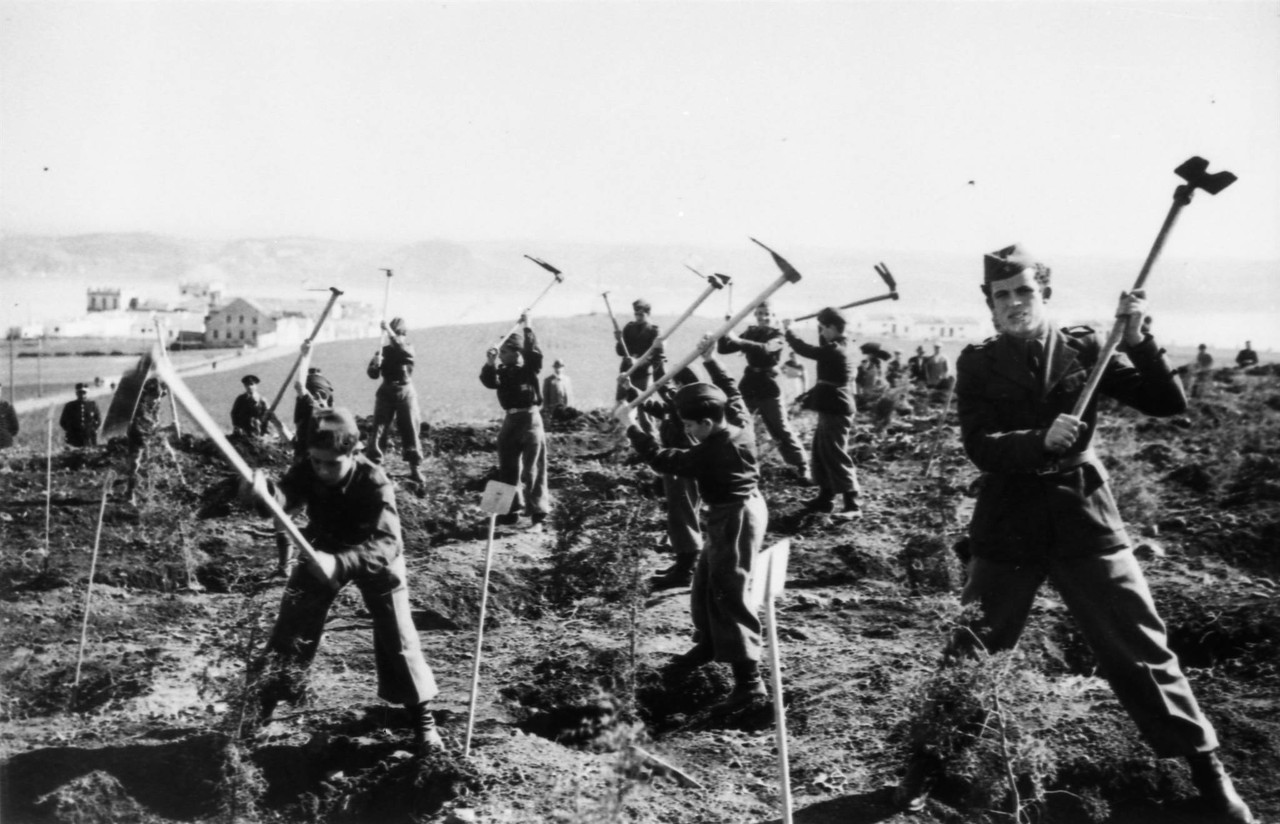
point(333, 298)
point(205, 422)
point(556, 276)
point(885, 275)
point(164, 352)
point(1193, 171)
point(617, 330)
point(386, 302)
point(714, 283)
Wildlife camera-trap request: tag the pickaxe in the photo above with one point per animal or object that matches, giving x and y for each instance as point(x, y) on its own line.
point(883, 272)
point(557, 278)
point(789, 275)
point(386, 301)
point(617, 330)
point(714, 282)
point(1193, 171)
point(271, 413)
point(205, 422)
point(177, 427)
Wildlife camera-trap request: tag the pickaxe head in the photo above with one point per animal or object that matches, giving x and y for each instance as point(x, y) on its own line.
point(388, 271)
point(883, 272)
point(787, 269)
point(553, 270)
point(1194, 171)
point(718, 280)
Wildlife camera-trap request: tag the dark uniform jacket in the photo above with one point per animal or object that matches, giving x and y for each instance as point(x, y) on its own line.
point(762, 346)
point(517, 385)
point(357, 520)
point(671, 430)
point(1024, 511)
point(831, 392)
point(636, 339)
point(249, 415)
point(397, 363)
point(8, 424)
point(80, 420)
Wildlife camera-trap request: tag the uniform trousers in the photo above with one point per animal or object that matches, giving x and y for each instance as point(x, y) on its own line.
point(722, 618)
point(395, 403)
point(1109, 598)
point(403, 674)
point(683, 503)
point(833, 469)
point(774, 415)
point(522, 460)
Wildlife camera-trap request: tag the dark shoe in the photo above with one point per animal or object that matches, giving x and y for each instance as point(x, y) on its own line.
point(913, 791)
point(426, 739)
point(510, 519)
point(1216, 789)
point(851, 507)
point(742, 697)
point(800, 475)
point(537, 518)
point(825, 502)
point(415, 475)
point(678, 575)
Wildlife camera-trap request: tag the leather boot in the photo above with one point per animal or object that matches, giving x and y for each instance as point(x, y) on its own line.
point(748, 689)
point(1216, 789)
point(426, 739)
point(678, 575)
point(851, 507)
point(415, 474)
point(825, 502)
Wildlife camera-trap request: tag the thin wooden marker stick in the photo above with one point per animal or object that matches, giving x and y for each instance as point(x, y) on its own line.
point(497, 499)
point(768, 579)
point(48, 488)
point(88, 590)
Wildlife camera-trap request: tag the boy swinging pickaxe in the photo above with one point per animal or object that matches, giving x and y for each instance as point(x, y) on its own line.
point(557, 277)
point(714, 283)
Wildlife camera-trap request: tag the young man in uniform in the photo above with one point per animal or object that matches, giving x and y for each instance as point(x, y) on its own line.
point(354, 526)
point(723, 462)
point(314, 393)
point(1246, 357)
point(249, 412)
point(833, 469)
point(1045, 511)
point(8, 423)
point(513, 371)
point(396, 401)
point(81, 418)
point(762, 345)
point(632, 342)
point(936, 368)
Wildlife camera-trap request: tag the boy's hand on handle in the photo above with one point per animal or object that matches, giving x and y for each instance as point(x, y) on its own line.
point(306, 346)
point(1064, 432)
point(706, 347)
point(625, 415)
point(1133, 307)
point(786, 324)
point(492, 355)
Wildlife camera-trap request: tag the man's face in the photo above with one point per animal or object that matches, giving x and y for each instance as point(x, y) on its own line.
point(509, 357)
point(828, 332)
point(642, 315)
point(764, 316)
point(331, 467)
point(80, 394)
point(1018, 306)
point(251, 390)
point(698, 431)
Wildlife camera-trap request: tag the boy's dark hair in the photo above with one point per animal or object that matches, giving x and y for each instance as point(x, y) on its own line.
point(700, 401)
point(334, 429)
point(707, 410)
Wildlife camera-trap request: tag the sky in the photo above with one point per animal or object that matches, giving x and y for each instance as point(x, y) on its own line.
point(949, 126)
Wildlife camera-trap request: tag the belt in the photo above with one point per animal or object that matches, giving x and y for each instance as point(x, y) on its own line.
point(833, 383)
point(516, 409)
point(761, 370)
point(1059, 466)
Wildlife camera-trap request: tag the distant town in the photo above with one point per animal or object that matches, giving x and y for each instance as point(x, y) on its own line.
point(205, 317)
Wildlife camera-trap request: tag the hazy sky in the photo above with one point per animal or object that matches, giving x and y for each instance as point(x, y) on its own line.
point(951, 126)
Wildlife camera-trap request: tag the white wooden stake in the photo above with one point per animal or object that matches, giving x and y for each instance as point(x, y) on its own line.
point(88, 590)
point(497, 500)
point(766, 587)
point(48, 487)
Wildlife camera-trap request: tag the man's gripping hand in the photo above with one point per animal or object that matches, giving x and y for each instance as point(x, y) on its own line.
point(1064, 432)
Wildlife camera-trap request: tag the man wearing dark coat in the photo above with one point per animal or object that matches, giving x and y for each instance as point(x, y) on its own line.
point(80, 419)
point(1045, 512)
point(249, 412)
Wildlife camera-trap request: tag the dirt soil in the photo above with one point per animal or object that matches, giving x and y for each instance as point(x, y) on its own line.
point(579, 718)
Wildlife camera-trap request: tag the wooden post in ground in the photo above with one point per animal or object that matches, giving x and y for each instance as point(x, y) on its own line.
point(496, 501)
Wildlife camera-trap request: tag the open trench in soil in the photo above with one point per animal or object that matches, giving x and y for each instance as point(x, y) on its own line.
point(579, 716)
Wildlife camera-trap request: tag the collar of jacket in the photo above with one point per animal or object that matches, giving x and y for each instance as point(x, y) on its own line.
point(1062, 350)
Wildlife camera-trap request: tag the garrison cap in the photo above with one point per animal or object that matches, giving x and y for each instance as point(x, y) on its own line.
point(318, 384)
point(685, 376)
point(513, 341)
point(641, 305)
point(696, 394)
point(873, 348)
point(250, 380)
point(398, 326)
point(1007, 262)
point(82, 387)
point(830, 316)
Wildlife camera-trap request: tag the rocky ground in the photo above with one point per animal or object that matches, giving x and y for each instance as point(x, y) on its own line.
point(578, 718)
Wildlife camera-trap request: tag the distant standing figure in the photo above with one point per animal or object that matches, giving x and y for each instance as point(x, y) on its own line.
point(396, 402)
point(522, 442)
point(915, 367)
point(80, 419)
point(632, 342)
point(936, 368)
point(895, 369)
point(142, 431)
point(1203, 371)
point(869, 379)
point(557, 389)
point(1246, 357)
point(8, 423)
point(249, 412)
